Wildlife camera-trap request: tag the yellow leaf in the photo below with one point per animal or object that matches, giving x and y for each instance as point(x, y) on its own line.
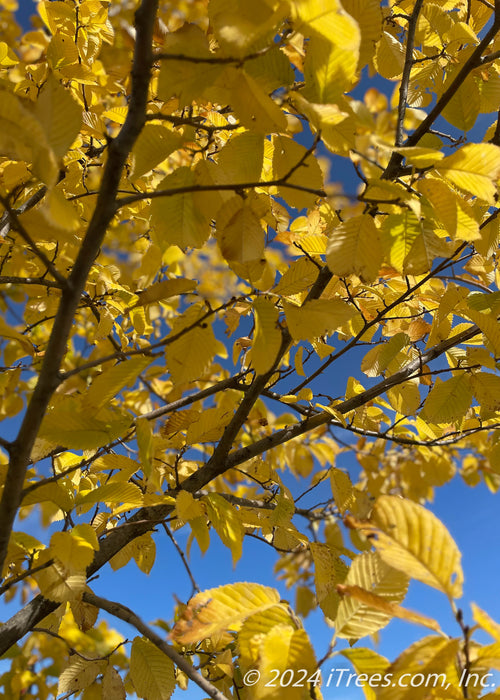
point(317, 317)
point(58, 583)
point(240, 233)
point(238, 24)
point(209, 425)
point(144, 436)
point(53, 492)
point(333, 51)
point(155, 143)
point(227, 523)
point(405, 398)
point(112, 493)
point(368, 16)
point(486, 389)
point(144, 552)
point(485, 622)
point(387, 609)
point(379, 358)
point(116, 114)
point(73, 549)
point(463, 108)
point(411, 539)
point(113, 379)
point(23, 138)
point(112, 685)
point(329, 570)
point(242, 159)
point(177, 219)
point(69, 423)
point(390, 56)
point(289, 157)
point(301, 274)
point(355, 248)
point(399, 232)
point(365, 661)
point(151, 671)
point(220, 609)
point(358, 617)
point(267, 338)
point(330, 67)
point(165, 290)
point(451, 210)
point(255, 109)
point(434, 658)
point(419, 156)
point(187, 80)
point(187, 507)
point(342, 489)
point(62, 52)
point(489, 327)
point(59, 115)
point(190, 356)
point(7, 332)
point(79, 674)
point(7, 56)
point(257, 625)
point(448, 401)
point(285, 649)
point(473, 168)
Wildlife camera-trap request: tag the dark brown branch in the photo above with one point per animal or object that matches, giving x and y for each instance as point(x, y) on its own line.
point(472, 62)
point(194, 122)
point(12, 279)
point(127, 615)
point(48, 380)
point(214, 60)
point(28, 204)
point(125, 201)
point(405, 80)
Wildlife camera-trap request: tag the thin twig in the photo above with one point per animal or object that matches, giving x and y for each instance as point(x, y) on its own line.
point(405, 80)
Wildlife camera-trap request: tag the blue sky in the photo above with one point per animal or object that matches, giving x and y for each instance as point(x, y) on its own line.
point(472, 516)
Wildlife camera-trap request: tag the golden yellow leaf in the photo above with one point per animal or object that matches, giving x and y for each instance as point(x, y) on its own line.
point(223, 608)
point(59, 115)
point(177, 218)
point(151, 671)
point(317, 317)
point(154, 144)
point(227, 523)
point(358, 616)
point(473, 168)
point(355, 248)
point(448, 400)
point(411, 539)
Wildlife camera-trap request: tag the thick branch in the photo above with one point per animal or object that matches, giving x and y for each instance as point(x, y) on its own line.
point(127, 615)
point(105, 209)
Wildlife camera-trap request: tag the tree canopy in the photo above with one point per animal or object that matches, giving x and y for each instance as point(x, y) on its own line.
point(203, 330)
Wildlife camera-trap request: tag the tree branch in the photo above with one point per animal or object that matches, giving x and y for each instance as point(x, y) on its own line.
point(105, 209)
point(403, 89)
point(123, 613)
point(472, 62)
